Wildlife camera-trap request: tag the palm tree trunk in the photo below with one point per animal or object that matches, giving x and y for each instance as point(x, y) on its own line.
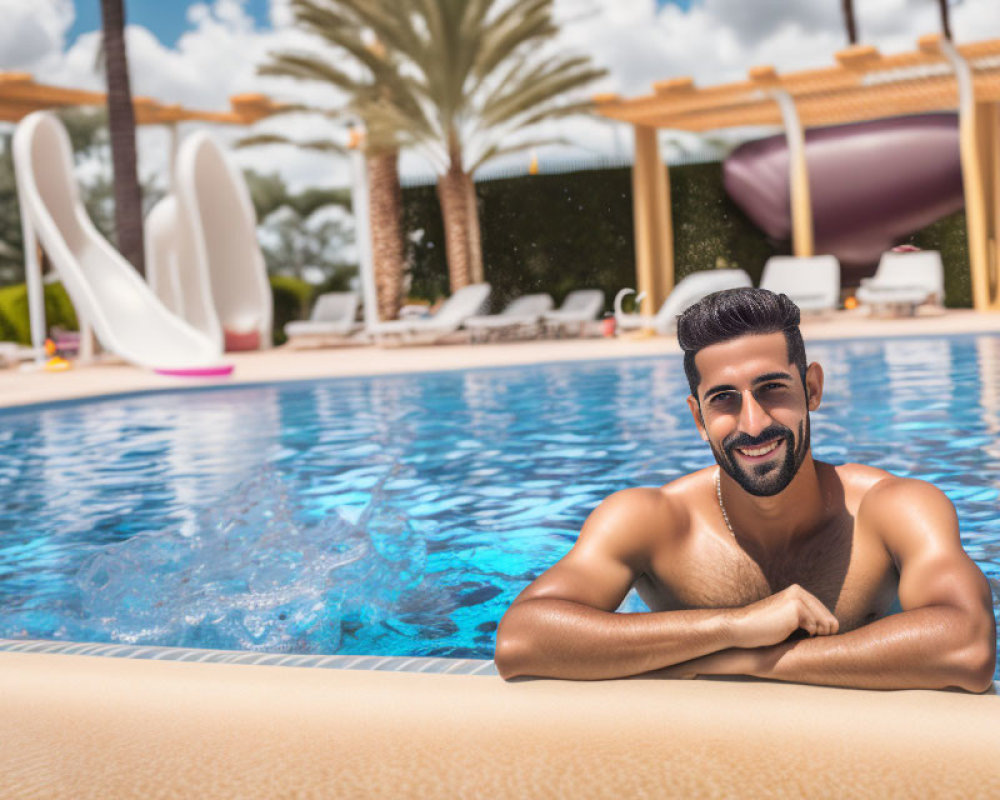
point(453, 195)
point(475, 233)
point(850, 22)
point(945, 18)
point(121, 121)
point(385, 208)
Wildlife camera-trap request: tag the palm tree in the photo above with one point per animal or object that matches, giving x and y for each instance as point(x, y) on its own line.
point(371, 75)
point(849, 21)
point(121, 121)
point(945, 18)
point(481, 72)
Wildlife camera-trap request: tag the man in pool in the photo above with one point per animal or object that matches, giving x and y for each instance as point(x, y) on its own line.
point(770, 564)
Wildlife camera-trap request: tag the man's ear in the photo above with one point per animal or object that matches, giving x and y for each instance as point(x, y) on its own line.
point(698, 419)
point(814, 385)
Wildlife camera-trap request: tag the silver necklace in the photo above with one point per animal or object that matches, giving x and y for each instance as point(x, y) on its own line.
point(722, 506)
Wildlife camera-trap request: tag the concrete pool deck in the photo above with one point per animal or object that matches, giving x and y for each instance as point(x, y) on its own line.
point(80, 726)
point(285, 364)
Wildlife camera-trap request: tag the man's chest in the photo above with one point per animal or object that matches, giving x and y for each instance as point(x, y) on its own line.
point(850, 573)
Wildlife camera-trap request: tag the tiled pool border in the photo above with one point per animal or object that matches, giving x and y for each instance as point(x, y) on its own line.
point(450, 666)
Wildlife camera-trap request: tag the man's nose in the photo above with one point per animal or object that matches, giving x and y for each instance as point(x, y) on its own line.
point(753, 418)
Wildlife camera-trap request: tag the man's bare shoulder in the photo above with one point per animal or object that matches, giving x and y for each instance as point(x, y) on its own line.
point(896, 508)
point(644, 517)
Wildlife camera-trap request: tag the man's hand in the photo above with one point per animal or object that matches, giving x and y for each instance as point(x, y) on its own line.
point(775, 618)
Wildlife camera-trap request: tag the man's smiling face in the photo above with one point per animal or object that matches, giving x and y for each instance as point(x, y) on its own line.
point(752, 410)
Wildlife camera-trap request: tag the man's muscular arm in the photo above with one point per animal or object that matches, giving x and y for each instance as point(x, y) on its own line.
point(563, 625)
point(945, 636)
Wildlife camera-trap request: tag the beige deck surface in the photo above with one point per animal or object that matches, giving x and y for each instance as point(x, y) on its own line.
point(78, 727)
point(81, 727)
point(17, 387)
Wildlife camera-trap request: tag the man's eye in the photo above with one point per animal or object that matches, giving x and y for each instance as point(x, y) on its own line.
point(721, 398)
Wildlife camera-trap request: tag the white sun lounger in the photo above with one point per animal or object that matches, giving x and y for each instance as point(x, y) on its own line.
point(466, 302)
point(904, 281)
point(333, 317)
point(580, 307)
point(684, 295)
point(109, 296)
point(812, 283)
point(524, 313)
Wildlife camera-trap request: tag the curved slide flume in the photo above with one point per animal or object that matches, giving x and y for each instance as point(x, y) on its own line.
point(109, 295)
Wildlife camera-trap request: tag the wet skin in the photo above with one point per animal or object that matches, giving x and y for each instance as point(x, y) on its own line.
point(816, 550)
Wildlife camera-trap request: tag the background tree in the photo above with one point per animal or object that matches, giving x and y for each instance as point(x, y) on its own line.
point(480, 72)
point(349, 58)
point(121, 120)
point(943, 5)
point(850, 23)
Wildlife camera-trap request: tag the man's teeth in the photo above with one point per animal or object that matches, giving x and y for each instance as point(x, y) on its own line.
point(760, 451)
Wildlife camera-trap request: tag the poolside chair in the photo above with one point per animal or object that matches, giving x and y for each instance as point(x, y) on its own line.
point(333, 318)
point(466, 302)
point(580, 307)
point(812, 283)
point(684, 295)
point(520, 315)
point(904, 281)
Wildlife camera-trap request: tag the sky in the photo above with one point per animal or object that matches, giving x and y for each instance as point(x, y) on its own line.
point(201, 53)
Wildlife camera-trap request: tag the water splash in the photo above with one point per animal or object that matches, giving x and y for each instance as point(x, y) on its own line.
point(263, 571)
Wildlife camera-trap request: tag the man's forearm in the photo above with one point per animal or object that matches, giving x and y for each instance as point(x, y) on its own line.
point(926, 648)
point(547, 637)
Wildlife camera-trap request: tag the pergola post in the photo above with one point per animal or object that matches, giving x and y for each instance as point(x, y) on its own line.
point(984, 295)
point(654, 241)
point(798, 175)
point(988, 115)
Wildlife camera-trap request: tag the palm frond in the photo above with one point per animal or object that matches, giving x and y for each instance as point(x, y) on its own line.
point(262, 139)
point(495, 151)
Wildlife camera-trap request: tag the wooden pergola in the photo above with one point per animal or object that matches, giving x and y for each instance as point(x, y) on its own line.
point(20, 95)
point(865, 85)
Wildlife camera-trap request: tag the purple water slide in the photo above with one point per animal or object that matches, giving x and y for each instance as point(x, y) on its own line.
point(871, 184)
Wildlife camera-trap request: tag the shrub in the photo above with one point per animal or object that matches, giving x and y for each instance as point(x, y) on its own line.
point(15, 323)
point(292, 299)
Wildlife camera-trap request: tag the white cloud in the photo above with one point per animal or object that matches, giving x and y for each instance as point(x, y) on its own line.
point(716, 41)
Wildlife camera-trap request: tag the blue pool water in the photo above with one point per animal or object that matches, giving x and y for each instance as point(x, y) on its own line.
point(401, 515)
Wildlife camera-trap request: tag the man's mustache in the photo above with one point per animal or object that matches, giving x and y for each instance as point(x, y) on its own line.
point(744, 440)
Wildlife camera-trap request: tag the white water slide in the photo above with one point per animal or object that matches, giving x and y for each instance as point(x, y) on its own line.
point(202, 254)
point(109, 295)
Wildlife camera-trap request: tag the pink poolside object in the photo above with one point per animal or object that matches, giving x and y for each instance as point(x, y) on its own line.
point(218, 371)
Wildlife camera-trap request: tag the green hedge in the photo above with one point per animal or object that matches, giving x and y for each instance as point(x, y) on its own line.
point(554, 233)
point(949, 236)
point(15, 324)
point(292, 299)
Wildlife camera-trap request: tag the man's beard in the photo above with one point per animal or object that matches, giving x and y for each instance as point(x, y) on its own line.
point(768, 478)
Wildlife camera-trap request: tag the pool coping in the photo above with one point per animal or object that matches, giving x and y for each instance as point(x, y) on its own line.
point(439, 666)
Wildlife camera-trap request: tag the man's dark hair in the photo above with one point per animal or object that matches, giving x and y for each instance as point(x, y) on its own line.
point(738, 312)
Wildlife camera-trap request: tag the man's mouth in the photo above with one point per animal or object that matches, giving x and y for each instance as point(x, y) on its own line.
point(761, 451)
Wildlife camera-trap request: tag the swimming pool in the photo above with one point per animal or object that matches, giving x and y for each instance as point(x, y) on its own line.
point(400, 515)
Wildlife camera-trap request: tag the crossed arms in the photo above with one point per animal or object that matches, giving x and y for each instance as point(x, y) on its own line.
point(563, 625)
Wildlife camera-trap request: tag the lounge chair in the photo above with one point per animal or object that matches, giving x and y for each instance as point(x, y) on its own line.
point(333, 317)
point(466, 302)
point(522, 314)
point(684, 295)
point(812, 283)
point(904, 281)
point(580, 307)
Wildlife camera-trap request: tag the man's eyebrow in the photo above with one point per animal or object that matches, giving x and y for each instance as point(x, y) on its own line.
point(773, 376)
